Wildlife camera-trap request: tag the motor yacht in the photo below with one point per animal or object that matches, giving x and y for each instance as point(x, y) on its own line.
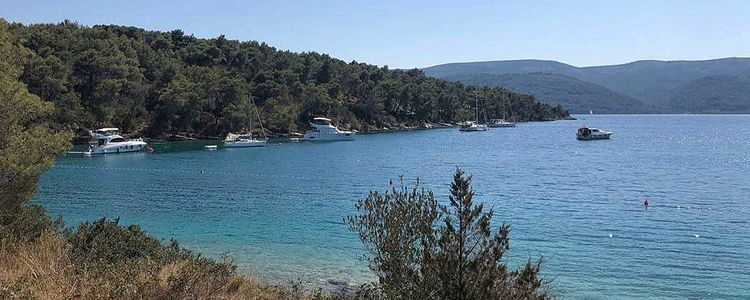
point(586, 133)
point(322, 130)
point(108, 140)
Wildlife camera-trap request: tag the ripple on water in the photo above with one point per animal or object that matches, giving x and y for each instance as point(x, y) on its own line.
point(279, 210)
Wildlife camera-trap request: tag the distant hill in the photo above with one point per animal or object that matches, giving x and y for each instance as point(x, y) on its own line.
point(713, 94)
point(576, 95)
point(501, 68)
point(654, 83)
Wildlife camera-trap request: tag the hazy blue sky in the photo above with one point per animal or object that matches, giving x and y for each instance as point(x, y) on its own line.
point(406, 34)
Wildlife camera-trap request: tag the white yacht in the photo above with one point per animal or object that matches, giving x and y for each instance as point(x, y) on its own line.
point(322, 130)
point(246, 139)
point(242, 140)
point(586, 133)
point(505, 122)
point(501, 123)
point(472, 126)
point(108, 140)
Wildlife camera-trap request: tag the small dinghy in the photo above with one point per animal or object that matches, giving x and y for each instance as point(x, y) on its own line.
point(210, 147)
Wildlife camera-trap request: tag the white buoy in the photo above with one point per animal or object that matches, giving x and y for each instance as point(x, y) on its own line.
point(696, 235)
point(610, 235)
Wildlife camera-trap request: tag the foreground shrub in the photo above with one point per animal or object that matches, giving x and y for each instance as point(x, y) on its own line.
point(136, 262)
point(87, 267)
point(420, 249)
point(25, 223)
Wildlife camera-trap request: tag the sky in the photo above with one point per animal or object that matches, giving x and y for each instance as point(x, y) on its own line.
point(422, 33)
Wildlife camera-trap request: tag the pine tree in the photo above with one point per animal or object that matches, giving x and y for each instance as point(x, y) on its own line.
point(28, 145)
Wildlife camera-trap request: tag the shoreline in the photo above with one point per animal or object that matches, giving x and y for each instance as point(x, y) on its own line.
point(186, 137)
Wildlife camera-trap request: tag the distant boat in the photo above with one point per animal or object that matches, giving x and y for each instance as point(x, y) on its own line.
point(323, 131)
point(501, 123)
point(586, 133)
point(504, 122)
point(210, 147)
point(108, 140)
point(591, 112)
point(246, 139)
point(242, 140)
point(474, 125)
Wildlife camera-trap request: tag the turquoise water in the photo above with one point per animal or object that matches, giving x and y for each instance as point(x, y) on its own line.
point(278, 210)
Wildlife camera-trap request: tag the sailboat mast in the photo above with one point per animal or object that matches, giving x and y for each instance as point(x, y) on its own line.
point(257, 113)
point(476, 105)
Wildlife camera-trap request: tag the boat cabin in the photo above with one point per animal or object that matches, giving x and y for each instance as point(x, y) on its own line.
point(106, 131)
point(321, 121)
point(586, 131)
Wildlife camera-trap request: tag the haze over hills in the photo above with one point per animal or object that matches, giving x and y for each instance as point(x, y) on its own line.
point(713, 94)
point(576, 95)
point(654, 83)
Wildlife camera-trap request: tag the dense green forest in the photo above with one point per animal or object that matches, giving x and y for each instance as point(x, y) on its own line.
point(164, 83)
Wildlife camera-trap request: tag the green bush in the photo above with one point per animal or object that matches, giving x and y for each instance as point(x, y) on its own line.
point(420, 249)
point(25, 223)
point(116, 254)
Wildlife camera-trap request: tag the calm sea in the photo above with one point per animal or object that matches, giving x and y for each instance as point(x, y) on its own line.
point(278, 210)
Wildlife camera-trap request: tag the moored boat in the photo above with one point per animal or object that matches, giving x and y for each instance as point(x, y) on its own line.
point(322, 130)
point(501, 123)
point(472, 126)
point(108, 140)
point(242, 140)
point(586, 133)
point(246, 139)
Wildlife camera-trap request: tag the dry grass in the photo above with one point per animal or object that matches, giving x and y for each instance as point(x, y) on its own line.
point(43, 270)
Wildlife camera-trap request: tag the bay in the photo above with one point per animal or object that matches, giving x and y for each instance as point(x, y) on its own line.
point(278, 211)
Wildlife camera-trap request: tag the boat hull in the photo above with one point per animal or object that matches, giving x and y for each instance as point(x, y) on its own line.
point(120, 147)
point(502, 125)
point(474, 128)
point(245, 144)
point(329, 137)
point(593, 137)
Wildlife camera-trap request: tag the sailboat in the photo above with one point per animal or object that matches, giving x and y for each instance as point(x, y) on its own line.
point(474, 125)
point(246, 139)
point(504, 122)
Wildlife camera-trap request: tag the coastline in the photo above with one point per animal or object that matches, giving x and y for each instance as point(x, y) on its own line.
point(186, 136)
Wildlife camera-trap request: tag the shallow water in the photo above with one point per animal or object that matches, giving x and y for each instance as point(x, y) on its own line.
point(278, 210)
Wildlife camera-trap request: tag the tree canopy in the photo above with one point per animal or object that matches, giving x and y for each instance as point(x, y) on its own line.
point(161, 83)
point(28, 145)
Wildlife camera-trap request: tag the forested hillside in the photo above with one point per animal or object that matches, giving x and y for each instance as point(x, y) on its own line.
point(163, 83)
point(713, 94)
point(575, 95)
